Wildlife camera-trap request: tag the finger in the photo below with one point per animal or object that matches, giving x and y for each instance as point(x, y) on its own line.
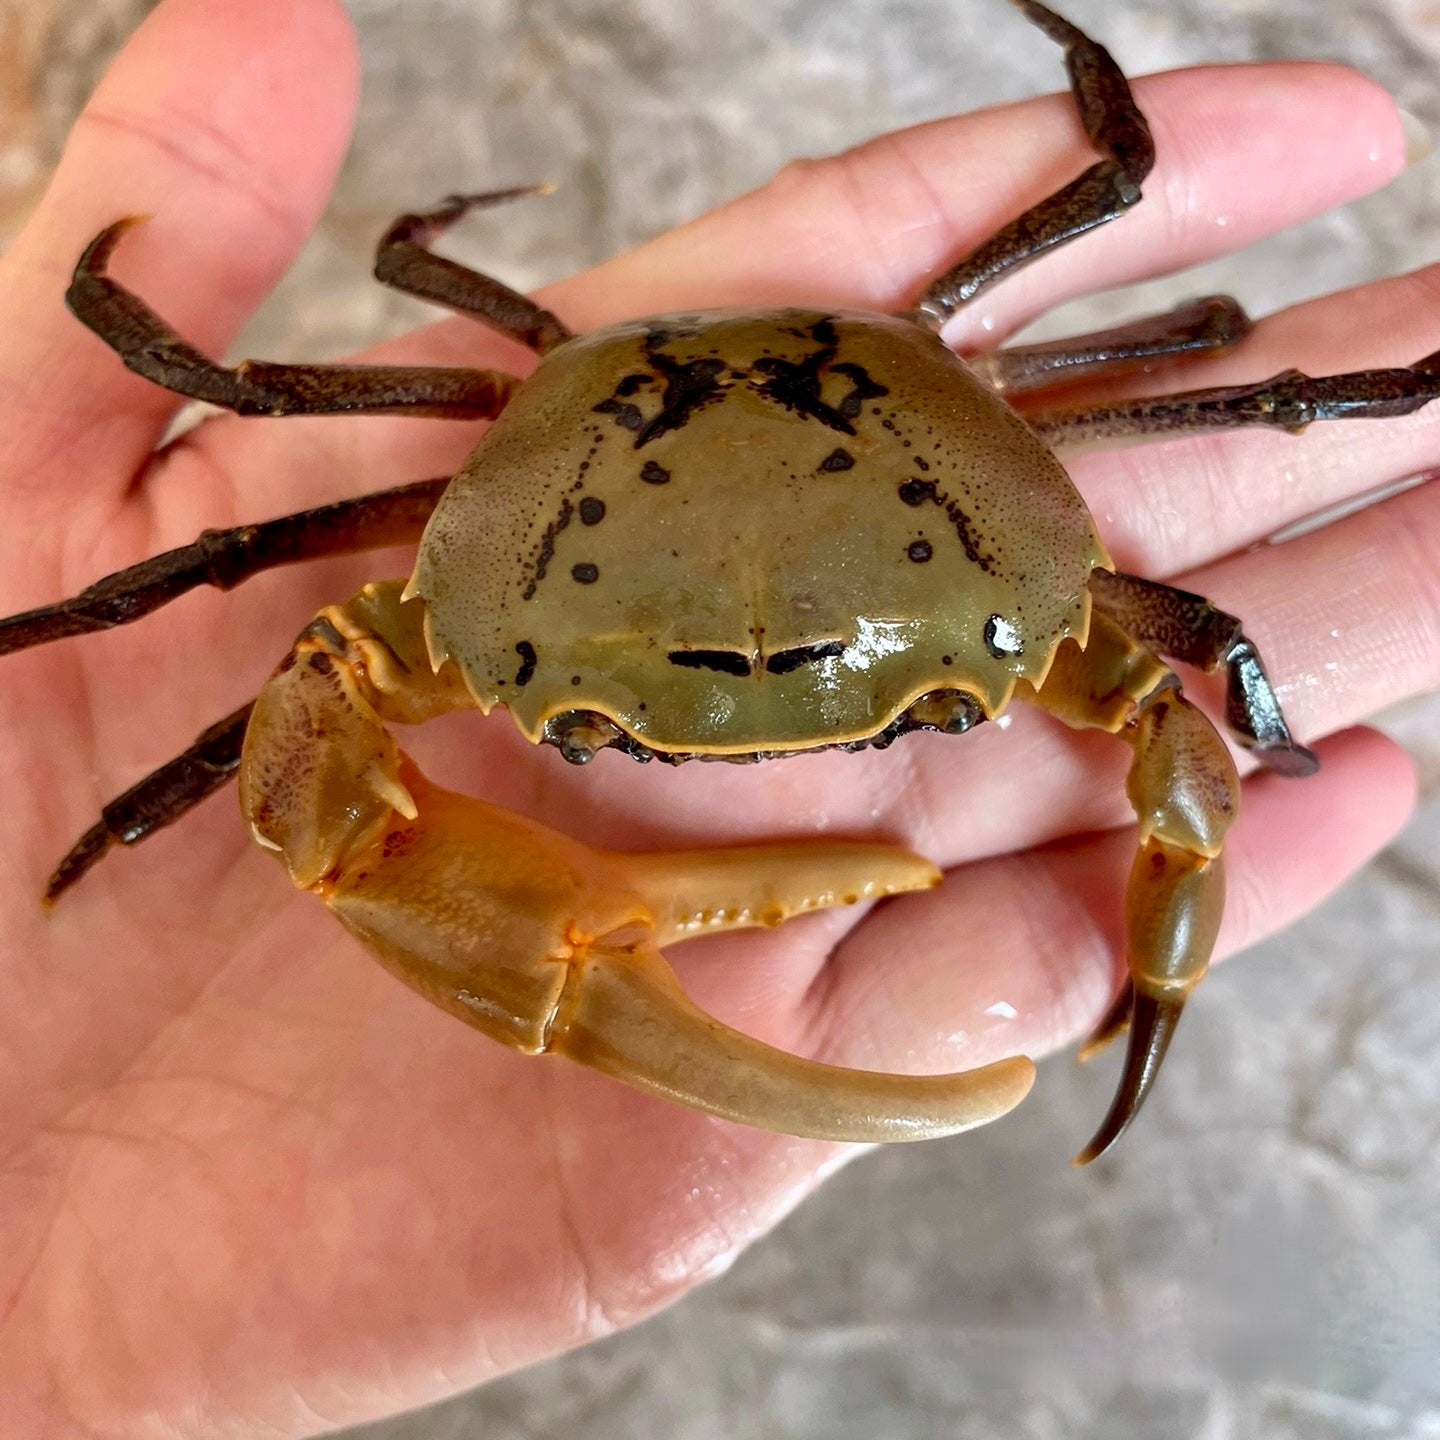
point(868, 228)
point(1176, 504)
point(224, 122)
point(1022, 953)
point(1348, 616)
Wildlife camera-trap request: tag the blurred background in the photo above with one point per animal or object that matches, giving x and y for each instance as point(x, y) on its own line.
point(1266, 1264)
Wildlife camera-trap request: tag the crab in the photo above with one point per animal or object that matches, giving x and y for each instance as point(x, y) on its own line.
point(733, 536)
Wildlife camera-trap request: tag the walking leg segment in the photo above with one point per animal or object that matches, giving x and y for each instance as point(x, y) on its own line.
point(1289, 401)
point(227, 558)
point(149, 347)
point(1104, 192)
point(1187, 627)
point(1185, 791)
point(1209, 326)
point(405, 261)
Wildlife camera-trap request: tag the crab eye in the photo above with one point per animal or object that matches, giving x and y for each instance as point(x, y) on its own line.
point(728, 662)
point(782, 662)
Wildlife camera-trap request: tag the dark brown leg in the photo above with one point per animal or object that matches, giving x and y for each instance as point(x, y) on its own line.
point(1189, 628)
point(1117, 130)
point(403, 260)
point(1201, 327)
point(1289, 401)
point(151, 348)
point(160, 799)
point(227, 558)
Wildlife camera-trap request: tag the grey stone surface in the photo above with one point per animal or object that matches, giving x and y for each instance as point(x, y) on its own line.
point(1270, 1268)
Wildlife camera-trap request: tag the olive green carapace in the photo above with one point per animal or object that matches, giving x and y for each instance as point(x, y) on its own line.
point(733, 532)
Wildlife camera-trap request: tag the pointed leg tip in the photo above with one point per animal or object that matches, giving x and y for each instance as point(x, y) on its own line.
point(1152, 1024)
point(98, 251)
point(82, 857)
point(1294, 762)
point(1112, 1128)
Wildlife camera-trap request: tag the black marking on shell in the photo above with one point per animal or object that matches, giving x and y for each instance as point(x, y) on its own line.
point(920, 551)
point(585, 573)
point(592, 510)
point(964, 528)
point(795, 384)
point(689, 387)
point(838, 459)
point(653, 474)
point(782, 662)
point(546, 550)
point(526, 651)
point(916, 492)
point(998, 630)
point(865, 388)
point(627, 416)
point(727, 662)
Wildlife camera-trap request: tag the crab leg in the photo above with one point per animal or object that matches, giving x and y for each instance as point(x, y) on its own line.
point(1104, 192)
point(151, 348)
point(403, 260)
point(1209, 326)
point(1288, 401)
point(1188, 627)
point(160, 799)
point(227, 558)
point(1185, 791)
point(544, 943)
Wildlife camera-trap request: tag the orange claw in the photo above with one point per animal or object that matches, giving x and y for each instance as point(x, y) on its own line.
point(626, 1014)
point(544, 943)
point(550, 947)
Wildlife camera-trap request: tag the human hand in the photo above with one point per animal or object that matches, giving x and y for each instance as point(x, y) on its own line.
point(251, 1181)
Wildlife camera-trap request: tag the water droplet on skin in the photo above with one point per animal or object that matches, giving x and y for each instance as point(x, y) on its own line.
point(1222, 220)
point(1003, 721)
point(1003, 1009)
point(987, 322)
point(1334, 634)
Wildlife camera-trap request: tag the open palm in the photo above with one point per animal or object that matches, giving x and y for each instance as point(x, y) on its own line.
point(248, 1179)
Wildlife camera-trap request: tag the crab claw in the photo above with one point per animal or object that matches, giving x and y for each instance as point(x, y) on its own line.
point(551, 948)
point(630, 1018)
point(542, 942)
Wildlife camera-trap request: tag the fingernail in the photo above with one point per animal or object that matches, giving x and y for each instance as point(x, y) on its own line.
point(1418, 143)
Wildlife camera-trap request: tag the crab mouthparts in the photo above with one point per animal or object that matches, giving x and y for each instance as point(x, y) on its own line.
point(580, 735)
